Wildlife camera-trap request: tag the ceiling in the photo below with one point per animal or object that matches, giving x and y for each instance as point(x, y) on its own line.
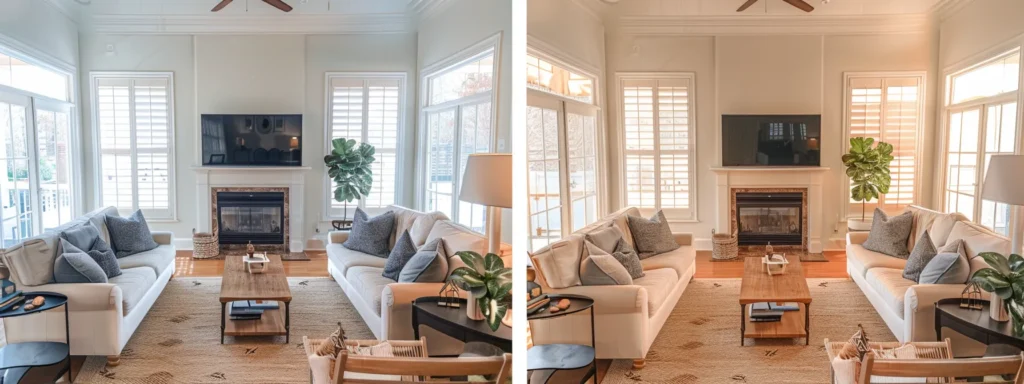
point(667, 8)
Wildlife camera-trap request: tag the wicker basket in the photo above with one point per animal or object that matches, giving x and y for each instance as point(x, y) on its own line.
point(205, 245)
point(724, 246)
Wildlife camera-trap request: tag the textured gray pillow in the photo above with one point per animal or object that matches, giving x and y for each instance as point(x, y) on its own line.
point(74, 266)
point(626, 256)
point(653, 236)
point(428, 265)
point(889, 234)
point(947, 268)
point(924, 251)
point(403, 251)
point(130, 235)
point(600, 268)
point(605, 238)
point(371, 236)
point(87, 238)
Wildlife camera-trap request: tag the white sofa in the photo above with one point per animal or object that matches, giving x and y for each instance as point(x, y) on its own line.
point(103, 316)
point(906, 307)
point(385, 305)
point(627, 317)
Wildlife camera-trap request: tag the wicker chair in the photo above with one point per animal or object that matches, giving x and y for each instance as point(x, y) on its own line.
point(412, 363)
point(926, 351)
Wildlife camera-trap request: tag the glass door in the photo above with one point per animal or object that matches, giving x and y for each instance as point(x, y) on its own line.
point(544, 172)
point(962, 164)
point(1000, 139)
point(17, 218)
point(581, 143)
point(441, 160)
point(53, 145)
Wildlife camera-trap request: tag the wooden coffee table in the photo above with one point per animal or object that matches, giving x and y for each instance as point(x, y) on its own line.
point(759, 287)
point(271, 285)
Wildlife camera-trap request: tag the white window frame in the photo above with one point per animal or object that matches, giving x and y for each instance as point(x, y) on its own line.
point(922, 102)
point(467, 55)
point(620, 78)
point(94, 77)
point(401, 147)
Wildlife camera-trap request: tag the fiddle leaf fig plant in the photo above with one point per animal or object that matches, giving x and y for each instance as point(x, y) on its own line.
point(1005, 278)
point(489, 283)
point(868, 169)
point(348, 165)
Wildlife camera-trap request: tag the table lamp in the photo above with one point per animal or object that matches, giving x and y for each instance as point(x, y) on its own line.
point(1004, 184)
point(488, 181)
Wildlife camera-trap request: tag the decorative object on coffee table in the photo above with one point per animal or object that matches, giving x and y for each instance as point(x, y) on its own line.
point(489, 285)
point(453, 322)
point(551, 358)
point(775, 264)
point(348, 166)
point(250, 249)
point(448, 296)
point(487, 180)
point(205, 245)
point(724, 246)
point(271, 285)
point(255, 264)
point(868, 169)
point(17, 359)
point(759, 287)
point(970, 297)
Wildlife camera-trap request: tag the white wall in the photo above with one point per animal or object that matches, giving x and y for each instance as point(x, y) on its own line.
point(762, 75)
point(978, 27)
point(40, 26)
point(459, 26)
point(247, 74)
point(566, 26)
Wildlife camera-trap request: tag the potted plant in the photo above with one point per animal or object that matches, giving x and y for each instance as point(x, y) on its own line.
point(1005, 280)
point(488, 283)
point(348, 165)
point(868, 170)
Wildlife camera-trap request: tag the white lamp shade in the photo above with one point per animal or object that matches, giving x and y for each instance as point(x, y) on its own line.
point(1004, 180)
point(488, 180)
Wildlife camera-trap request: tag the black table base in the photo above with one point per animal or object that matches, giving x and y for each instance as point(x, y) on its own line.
point(17, 359)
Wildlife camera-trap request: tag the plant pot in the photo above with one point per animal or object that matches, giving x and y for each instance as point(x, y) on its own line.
point(473, 308)
point(997, 308)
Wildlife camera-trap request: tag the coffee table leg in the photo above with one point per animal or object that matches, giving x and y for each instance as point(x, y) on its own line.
point(222, 307)
point(743, 322)
point(807, 323)
point(287, 322)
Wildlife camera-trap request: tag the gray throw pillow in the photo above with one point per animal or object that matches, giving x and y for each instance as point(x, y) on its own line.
point(371, 235)
point(924, 251)
point(403, 251)
point(428, 265)
point(605, 238)
point(600, 268)
point(626, 256)
point(947, 268)
point(653, 236)
point(130, 235)
point(81, 236)
point(889, 234)
point(74, 266)
point(87, 238)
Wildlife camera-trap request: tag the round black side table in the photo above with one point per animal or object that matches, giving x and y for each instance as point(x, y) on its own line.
point(977, 325)
point(558, 357)
point(455, 323)
point(18, 358)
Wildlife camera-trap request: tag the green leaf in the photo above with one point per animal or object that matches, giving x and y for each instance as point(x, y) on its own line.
point(997, 261)
point(1016, 263)
point(493, 263)
point(473, 260)
point(494, 312)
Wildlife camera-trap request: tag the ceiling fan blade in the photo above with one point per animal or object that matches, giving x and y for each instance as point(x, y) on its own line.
point(221, 5)
point(279, 5)
point(746, 5)
point(800, 4)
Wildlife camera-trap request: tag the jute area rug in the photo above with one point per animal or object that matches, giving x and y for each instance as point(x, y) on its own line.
point(700, 340)
point(179, 341)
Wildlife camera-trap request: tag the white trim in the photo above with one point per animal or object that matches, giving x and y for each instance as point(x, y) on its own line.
point(427, 9)
point(944, 9)
point(95, 76)
point(401, 148)
point(922, 101)
point(773, 25)
point(693, 151)
point(249, 24)
point(70, 12)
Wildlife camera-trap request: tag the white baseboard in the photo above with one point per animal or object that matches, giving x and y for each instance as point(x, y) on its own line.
point(182, 244)
point(702, 244)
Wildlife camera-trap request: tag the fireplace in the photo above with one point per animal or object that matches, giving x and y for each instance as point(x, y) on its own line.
point(256, 217)
point(769, 217)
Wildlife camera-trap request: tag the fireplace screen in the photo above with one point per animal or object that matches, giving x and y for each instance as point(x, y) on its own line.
point(256, 217)
point(775, 218)
point(770, 221)
point(250, 220)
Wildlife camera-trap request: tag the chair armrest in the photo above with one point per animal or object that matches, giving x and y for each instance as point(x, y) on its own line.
point(856, 237)
point(337, 237)
point(919, 308)
point(611, 299)
point(683, 238)
point(87, 296)
point(396, 307)
point(163, 238)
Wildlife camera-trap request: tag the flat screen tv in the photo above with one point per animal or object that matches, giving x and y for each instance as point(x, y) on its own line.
point(252, 140)
point(771, 140)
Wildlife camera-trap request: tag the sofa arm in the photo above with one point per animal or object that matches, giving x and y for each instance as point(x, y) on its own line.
point(919, 309)
point(337, 237)
point(87, 296)
point(856, 237)
point(396, 307)
point(611, 299)
point(683, 238)
point(163, 238)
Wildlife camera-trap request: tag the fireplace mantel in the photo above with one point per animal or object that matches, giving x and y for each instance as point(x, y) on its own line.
point(808, 178)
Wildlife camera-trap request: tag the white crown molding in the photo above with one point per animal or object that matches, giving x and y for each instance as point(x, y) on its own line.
point(945, 9)
point(772, 25)
point(593, 8)
point(229, 24)
point(69, 11)
point(426, 9)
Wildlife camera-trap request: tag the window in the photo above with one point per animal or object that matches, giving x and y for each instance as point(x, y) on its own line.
point(134, 135)
point(544, 76)
point(888, 108)
point(458, 115)
point(657, 139)
point(368, 108)
point(981, 121)
point(39, 187)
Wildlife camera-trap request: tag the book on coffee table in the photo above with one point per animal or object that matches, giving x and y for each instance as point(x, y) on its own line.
point(240, 310)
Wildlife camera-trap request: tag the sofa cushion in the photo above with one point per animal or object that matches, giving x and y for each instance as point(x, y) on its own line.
point(861, 260)
point(31, 262)
point(559, 262)
point(938, 225)
point(344, 258)
point(371, 236)
point(679, 260)
point(604, 238)
point(98, 219)
point(74, 266)
point(652, 236)
point(134, 283)
point(890, 285)
point(601, 268)
point(889, 234)
point(158, 259)
point(130, 235)
point(369, 283)
point(458, 238)
point(417, 223)
point(659, 283)
point(978, 239)
point(430, 264)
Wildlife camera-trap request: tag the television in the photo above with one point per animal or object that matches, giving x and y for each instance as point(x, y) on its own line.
point(252, 140)
point(771, 140)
